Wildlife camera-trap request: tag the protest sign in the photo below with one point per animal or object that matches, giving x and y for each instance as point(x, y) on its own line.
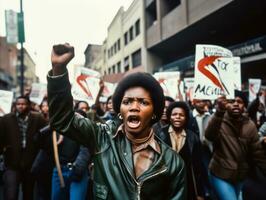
point(86, 86)
point(169, 81)
point(38, 92)
point(81, 90)
point(216, 72)
point(253, 88)
point(6, 98)
point(189, 88)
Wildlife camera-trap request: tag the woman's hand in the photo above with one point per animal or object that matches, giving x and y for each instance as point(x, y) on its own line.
point(61, 55)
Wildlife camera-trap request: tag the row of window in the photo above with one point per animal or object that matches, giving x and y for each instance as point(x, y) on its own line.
point(133, 32)
point(115, 68)
point(136, 61)
point(115, 48)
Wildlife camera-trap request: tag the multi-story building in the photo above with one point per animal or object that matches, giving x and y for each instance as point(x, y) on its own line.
point(123, 51)
point(92, 55)
point(161, 35)
point(124, 48)
point(29, 71)
point(173, 28)
point(8, 65)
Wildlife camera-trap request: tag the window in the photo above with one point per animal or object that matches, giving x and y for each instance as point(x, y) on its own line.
point(115, 48)
point(126, 68)
point(136, 58)
point(131, 33)
point(113, 68)
point(109, 70)
point(168, 6)
point(118, 44)
point(125, 38)
point(151, 14)
point(118, 67)
point(126, 63)
point(112, 51)
point(137, 27)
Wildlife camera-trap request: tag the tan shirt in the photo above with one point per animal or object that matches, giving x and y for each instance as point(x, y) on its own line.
point(177, 139)
point(143, 151)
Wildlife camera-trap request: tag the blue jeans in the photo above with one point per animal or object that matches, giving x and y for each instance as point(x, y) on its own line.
point(226, 190)
point(72, 190)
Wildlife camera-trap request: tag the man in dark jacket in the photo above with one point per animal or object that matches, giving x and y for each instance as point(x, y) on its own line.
point(236, 146)
point(19, 149)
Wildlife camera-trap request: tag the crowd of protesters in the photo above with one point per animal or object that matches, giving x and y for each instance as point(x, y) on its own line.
point(139, 144)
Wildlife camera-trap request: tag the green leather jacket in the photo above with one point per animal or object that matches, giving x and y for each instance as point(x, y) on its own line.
point(113, 176)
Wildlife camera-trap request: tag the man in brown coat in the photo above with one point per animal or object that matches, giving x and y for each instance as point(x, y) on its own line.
point(236, 147)
point(17, 134)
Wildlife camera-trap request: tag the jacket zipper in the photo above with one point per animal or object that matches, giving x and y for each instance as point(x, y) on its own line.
point(139, 184)
point(153, 175)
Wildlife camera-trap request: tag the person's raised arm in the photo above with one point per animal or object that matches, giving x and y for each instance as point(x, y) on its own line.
point(61, 112)
point(97, 100)
point(60, 57)
point(213, 127)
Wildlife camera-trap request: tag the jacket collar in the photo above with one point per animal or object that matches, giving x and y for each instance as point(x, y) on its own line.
point(151, 142)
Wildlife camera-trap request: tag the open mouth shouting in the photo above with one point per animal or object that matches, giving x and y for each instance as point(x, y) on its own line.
point(133, 121)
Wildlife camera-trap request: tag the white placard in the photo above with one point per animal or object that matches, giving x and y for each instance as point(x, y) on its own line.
point(86, 86)
point(216, 72)
point(253, 88)
point(169, 82)
point(38, 92)
point(189, 88)
point(6, 98)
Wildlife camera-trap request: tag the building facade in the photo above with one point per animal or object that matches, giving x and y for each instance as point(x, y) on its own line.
point(92, 56)
point(125, 40)
point(173, 28)
point(161, 35)
point(123, 51)
point(29, 70)
point(8, 65)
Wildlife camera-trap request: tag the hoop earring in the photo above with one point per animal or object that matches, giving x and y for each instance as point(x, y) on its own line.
point(120, 116)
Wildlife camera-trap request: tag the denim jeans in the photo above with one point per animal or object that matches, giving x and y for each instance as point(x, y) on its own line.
point(226, 190)
point(72, 190)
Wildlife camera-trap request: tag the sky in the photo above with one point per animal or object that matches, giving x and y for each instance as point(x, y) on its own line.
point(49, 22)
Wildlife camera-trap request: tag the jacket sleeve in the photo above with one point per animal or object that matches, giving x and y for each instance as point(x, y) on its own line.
point(179, 184)
point(62, 116)
point(212, 130)
point(81, 163)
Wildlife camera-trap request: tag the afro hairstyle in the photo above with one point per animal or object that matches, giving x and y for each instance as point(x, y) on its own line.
point(178, 104)
point(146, 81)
point(26, 97)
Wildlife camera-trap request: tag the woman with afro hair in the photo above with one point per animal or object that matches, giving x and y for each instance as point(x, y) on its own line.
point(187, 144)
point(130, 162)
